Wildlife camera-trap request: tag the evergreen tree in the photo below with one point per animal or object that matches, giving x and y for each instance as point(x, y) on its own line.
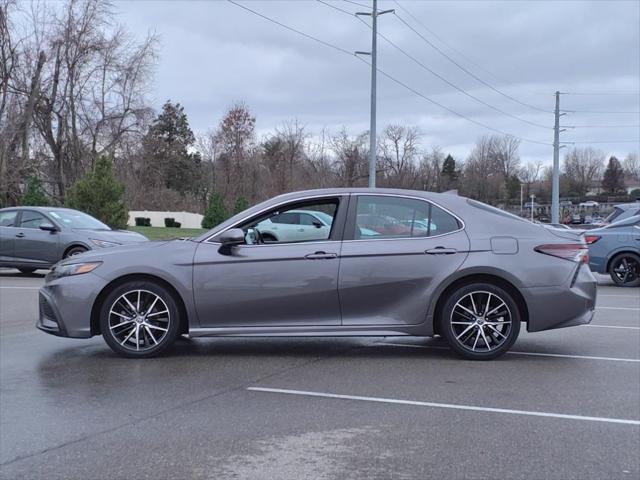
point(168, 161)
point(215, 213)
point(34, 193)
point(449, 173)
point(613, 178)
point(101, 195)
point(240, 205)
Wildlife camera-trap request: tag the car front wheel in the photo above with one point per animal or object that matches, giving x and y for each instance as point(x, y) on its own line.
point(480, 321)
point(625, 270)
point(139, 319)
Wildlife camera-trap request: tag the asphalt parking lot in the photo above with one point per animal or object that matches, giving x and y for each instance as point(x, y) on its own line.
point(564, 404)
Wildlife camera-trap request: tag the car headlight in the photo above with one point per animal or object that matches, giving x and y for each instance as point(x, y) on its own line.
point(103, 243)
point(67, 270)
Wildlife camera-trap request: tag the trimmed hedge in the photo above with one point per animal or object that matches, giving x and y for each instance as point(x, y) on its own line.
point(143, 222)
point(171, 223)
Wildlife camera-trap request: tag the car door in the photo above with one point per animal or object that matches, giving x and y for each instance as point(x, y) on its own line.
point(389, 278)
point(278, 284)
point(33, 245)
point(8, 220)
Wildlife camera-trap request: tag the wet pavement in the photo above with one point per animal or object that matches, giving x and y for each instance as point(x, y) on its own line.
point(564, 404)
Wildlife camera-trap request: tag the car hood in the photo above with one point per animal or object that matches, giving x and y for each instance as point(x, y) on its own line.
point(122, 237)
point(100, 254)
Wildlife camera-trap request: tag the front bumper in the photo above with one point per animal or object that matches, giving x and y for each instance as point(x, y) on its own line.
point(566, 306)
point(65, 305)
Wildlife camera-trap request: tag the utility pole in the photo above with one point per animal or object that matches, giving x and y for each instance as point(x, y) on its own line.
point(555, 184)
point(374, 71)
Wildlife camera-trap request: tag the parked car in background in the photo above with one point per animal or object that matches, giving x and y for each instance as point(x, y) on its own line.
point(615, 249)
point(576, 219)
point(566, 203)
point(474, 280)
point(38, 237)
point(622, 211)
point(589, 204)
point(294, 226)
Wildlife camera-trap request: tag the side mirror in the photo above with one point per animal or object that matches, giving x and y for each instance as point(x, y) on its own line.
point(233, 236)
point(317, 224)
point(48, 227)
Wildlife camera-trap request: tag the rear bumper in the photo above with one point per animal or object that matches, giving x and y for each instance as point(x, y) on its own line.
point(65, 305)
point(566, 306)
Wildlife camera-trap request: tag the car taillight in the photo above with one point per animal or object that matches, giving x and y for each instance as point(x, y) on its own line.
point(575, 252)
point(591, 239)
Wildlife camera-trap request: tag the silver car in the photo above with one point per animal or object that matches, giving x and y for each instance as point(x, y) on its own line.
point(38, 237)
point(474, 280)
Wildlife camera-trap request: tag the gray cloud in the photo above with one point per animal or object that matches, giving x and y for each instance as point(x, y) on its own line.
point(214, 53)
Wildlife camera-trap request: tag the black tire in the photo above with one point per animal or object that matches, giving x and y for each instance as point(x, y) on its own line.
point(114, 310)
point(74, 251)
point(490, 338)
point(624, 270)
point(27, 271)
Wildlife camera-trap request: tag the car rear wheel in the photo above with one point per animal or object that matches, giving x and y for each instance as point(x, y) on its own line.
point(480, 321)
point(139, 319)
point(625, 270)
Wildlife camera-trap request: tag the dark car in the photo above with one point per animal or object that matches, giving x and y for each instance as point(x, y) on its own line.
point(474, 279)
point(38, 237)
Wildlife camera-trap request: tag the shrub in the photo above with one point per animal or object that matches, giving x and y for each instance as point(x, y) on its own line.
point(215, 213)
point(143, 222)
point(34, 194)
point(241, 205)
point(168, 221)
point(101, 195)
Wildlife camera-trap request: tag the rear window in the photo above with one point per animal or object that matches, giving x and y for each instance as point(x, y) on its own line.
point(494, 210)
point(613, 215)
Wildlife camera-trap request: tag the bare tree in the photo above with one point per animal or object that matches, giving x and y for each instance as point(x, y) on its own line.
point(399, 148)
point(583, 168)
point(632, 166)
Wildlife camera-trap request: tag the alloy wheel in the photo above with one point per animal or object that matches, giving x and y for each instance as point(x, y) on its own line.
point(139, 320)
point(626, 270)
point(481, 321)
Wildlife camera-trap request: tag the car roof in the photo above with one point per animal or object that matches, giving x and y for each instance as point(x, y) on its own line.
point(39, 209)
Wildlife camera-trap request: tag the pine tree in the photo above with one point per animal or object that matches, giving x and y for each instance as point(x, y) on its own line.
point(613, 179)
point(34, 194)
point(215, 213)
point(101, 195)
point(240, 205)
point(449, 173)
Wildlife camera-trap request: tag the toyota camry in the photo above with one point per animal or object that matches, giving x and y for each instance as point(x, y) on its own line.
point(430, 264)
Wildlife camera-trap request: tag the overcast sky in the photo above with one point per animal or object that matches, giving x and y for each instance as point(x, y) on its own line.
point(215, 53)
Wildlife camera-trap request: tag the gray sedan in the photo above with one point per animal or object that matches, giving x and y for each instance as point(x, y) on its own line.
point(38, 237)
point(474, 280)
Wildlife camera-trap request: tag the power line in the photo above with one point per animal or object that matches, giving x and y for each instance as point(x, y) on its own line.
point(603, 93)
point(601, 126)
point(310, 37)
point(357, 3)
point(387, 75)
point(351, 14)
point(602, 141)
point(601, 111)
point(466, 70)
point(453, 85)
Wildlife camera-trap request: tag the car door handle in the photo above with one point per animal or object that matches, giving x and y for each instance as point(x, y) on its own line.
point(320, 256)
point(441, 251)
point(20, 235)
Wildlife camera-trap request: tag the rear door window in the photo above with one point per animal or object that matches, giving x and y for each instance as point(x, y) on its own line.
point(8, 218)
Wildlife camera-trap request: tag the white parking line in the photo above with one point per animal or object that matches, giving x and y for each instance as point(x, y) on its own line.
point(513, 352)
point(445, 405)
point(610, 326)
point(619, 308)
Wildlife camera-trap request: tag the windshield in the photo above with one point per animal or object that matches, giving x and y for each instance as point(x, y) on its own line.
point(75, 219)
point(613, 215)
point(623, 223)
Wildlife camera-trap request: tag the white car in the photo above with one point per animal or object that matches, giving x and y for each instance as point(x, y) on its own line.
point(296, 226)
point(589, 203)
